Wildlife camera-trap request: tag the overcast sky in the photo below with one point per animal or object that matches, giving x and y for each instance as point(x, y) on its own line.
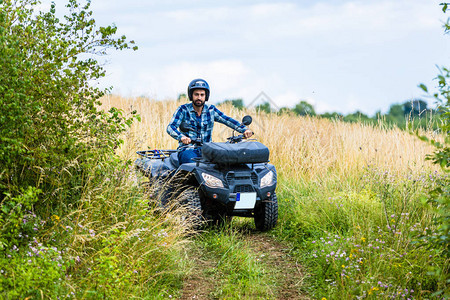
point(339, 55)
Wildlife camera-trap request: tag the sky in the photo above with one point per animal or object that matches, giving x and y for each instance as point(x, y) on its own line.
point(338, 55)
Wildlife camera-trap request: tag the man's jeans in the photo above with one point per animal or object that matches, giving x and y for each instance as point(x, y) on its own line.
point(186, 156)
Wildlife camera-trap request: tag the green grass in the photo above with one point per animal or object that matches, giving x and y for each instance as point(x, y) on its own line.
point(358, 238)
point(361, 238)
point(112, 245)
point(240, 273)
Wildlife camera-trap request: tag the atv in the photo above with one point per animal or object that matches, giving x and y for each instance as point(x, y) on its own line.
point(232, 178)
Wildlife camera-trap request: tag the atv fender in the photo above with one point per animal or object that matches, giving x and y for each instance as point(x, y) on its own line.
point(187, 175)
point(152, 167)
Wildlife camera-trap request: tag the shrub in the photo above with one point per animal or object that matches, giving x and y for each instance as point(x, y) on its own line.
point(50, 128)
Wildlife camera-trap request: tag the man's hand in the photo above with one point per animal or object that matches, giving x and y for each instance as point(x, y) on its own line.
point(248, 133)
point(185, 140)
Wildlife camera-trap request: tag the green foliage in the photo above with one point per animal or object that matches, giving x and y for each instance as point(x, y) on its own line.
point(304, 109)
point(111, 246)
point(32, 271)
point(182, 97)
point(264, 107)
point(358, 237)
point(333, 115)
point(50, 123)
point(285, 110)
point(17, 219)
point(439, 198)
point(414, 113)
point(238, 103)
point(415, 107)
point(357, 117)
point(68, 225)
point(120, 247)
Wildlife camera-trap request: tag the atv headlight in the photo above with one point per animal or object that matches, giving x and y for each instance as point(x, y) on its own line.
point(267, 180)
point(211, 181)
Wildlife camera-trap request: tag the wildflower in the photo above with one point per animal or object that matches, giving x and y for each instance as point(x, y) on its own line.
point(363, 239)
point(343, 266)
point(55, 218)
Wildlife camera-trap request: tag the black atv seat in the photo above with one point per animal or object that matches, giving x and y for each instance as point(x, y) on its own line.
point(227, 153)
point(174, 159)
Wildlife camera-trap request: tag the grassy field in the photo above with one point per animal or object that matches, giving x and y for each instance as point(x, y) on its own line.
point(351, 198)
point(353, 215)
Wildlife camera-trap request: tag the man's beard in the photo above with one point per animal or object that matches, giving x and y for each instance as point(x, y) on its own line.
point(198, 105)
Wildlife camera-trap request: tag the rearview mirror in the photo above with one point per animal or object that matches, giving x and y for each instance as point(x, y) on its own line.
point(247, 120)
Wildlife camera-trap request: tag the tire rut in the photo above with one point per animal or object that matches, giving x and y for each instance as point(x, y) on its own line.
point(287, 272)
point(280, 266)
point(200, 282)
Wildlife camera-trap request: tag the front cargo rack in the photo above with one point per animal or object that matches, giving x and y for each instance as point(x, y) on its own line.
point(156, 154)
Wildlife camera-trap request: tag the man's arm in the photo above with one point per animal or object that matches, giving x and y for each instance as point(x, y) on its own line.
point(230, 122)
point(172, 128)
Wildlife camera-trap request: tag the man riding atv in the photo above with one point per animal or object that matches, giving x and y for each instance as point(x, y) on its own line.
point(200, 116)
point(214, 181)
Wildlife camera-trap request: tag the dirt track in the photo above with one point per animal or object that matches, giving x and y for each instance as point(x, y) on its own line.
point(289, 276)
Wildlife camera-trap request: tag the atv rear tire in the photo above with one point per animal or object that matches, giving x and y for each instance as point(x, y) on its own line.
point(266, 214)
point(190, 201)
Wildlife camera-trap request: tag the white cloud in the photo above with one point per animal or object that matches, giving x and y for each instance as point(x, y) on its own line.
point(173, 79)
point(344, 55)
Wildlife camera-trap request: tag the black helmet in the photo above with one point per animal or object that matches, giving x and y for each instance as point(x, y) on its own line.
point(198, 84)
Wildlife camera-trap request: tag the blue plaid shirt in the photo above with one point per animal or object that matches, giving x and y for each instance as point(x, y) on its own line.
point(210, 114)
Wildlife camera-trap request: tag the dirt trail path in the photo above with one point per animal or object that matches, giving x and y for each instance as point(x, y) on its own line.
point(200, 283)
point(286, 270)
point(280, 266)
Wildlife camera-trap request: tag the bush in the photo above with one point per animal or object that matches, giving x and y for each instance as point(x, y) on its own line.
point(51, 130)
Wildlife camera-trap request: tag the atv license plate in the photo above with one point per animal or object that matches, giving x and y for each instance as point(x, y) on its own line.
point(245, 200)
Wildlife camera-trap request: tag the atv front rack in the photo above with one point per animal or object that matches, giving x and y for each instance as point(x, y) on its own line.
point(156, 154)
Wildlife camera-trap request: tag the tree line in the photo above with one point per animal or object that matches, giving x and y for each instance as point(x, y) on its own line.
point(414, 111)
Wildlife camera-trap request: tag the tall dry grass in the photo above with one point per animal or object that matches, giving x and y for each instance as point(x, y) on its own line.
point(302, 148)
point(349, 197)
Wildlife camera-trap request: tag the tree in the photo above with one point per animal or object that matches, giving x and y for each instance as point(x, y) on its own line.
point(397, 111)
point(284, 110)
point(333, 115)
point(356, 117)
point(304, 109)
point(414, 107)
point(238, 103)
point(51, 129)
point(182, 96)
point(264, 107)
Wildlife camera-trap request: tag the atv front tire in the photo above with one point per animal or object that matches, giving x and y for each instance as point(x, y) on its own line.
point(266, 214)
point(192, 207)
